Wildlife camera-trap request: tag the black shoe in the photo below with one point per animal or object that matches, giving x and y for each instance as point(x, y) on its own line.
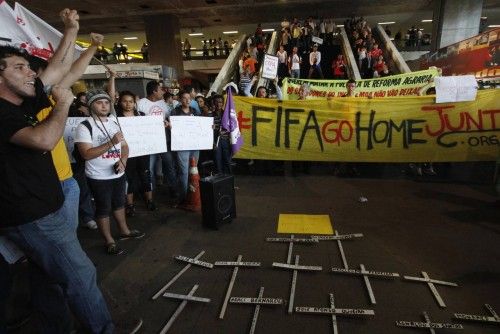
point(151, 206)
point(135, 234)
point(113, 249)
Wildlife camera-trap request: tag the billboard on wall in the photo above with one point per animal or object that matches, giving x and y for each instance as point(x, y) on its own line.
point(478, 55)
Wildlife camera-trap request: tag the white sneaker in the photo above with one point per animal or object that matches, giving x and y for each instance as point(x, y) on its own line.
point(91, 225)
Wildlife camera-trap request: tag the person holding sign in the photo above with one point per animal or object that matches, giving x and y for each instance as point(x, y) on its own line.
point(183, 157)
point(137, 170)
point(101, 143)
point(315, 62)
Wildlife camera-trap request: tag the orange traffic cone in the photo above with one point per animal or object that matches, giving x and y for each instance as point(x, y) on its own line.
point(193, 202)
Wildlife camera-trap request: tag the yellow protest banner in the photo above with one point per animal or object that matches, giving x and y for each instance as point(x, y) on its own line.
point(408, 129)
point(409, 84)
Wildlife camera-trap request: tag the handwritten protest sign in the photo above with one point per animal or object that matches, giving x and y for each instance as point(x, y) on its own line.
point(270, 67)
point(456, 88)
point(144, 135)
point(192, 133)
point(406, 129)
point(409, 84)
point(70, 133)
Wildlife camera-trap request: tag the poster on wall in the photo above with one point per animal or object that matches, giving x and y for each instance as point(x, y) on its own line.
point(478, 56)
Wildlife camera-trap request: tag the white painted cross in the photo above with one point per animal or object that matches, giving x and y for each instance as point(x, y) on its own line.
point(495, 319)
point(257, 302)
point(430, 282)
point(334, 312)
point(236, 265)
point(291, 240)
point(366, 273)
point(194, 261)
point(338, 237)
point(428, 324)
point(179, 274)
point(295, 267)
point(185, 298)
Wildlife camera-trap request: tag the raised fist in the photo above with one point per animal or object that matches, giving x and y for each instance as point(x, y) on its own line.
point(96, 39)
point(70, 18)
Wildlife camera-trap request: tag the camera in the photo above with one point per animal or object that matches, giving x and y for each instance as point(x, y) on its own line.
point(116, 167)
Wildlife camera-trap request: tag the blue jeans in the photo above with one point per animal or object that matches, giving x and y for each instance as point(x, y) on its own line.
point(63, 275)
point(295, 74)
point(167, 166)
point(223, 154)
point(5, 288)
point(183, 158)
point(86, 211)
point(71, 192)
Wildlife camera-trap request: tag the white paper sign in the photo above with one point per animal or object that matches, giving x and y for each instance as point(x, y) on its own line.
point(270, 70)
point(317, 40)
point(144, 135)
point(192, 133)
point(456, 88)
point(69, 135)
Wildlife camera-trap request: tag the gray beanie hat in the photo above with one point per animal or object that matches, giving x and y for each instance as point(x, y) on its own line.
point(95, 95)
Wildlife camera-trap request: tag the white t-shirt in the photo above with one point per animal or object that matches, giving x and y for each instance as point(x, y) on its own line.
point(281, 56)
point(295, 59)
point(102, 167)
point(150, 108)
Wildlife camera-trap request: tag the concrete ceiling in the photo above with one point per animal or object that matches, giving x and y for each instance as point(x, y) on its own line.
point(114, 16)
point(121, 18)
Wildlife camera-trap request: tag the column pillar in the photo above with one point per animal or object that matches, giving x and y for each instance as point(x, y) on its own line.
point(164, 40)
point(454, 21)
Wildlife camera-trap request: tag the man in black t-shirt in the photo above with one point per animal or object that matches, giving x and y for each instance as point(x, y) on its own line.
point(31, 198)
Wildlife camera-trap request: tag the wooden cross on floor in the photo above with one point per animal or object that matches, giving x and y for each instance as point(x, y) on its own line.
point(236, 265)
point(495, 319)
point(185, 298)
point(430, 282)
point(428, 324)
point(291, 241)
point(366, 273)
point(334, 312)
point(190, 261)
point(338, 237)
point(295, 267)
point(260, 300)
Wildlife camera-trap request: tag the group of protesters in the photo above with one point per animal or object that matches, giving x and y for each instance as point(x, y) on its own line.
point(371, 60)
point(43, 196)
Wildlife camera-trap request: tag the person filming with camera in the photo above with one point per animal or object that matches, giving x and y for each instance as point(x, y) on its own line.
point(101, 144)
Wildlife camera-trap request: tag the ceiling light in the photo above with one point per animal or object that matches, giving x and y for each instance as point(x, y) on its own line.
point(199, 52)
point(230, 32)
point(494, 26)
point(340, 25)
point(426, 20)
point(482, 17)
point(390, 22)
point(267, 30)
point(196, 34)
point(129, 37)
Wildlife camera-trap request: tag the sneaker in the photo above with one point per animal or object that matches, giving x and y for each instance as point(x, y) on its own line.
point(113, 249)
point(128, 325)
point(133, 234)
point(151, 206)
point(130, 210)
point(91, 225)
point(429, 171)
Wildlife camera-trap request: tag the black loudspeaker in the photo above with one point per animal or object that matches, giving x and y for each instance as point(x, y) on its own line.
point(217, 200)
